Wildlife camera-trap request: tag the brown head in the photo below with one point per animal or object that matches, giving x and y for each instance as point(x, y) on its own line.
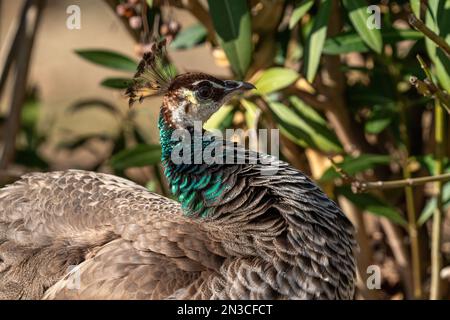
point(188, 97)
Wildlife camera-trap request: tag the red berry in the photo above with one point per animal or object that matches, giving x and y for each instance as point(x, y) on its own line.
point(121, 9)
point(135, 22)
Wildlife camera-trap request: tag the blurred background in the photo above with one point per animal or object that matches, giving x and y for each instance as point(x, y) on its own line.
point(358, 90)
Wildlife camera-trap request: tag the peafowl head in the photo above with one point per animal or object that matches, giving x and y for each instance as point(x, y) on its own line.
point(189, 97)
point(196, 96)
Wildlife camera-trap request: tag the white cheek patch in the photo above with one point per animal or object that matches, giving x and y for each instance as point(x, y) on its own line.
point(187, 113)
point(189, 96)
point(191, 110)
point(180, 116)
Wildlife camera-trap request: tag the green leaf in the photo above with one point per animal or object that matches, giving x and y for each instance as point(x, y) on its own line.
point(368, 97)
point(318, 126)
point(138, 156)
point(427, 211)
point(299, 12)
point(431, 205)
point(151, 186)
point(316, 40)
point(354, 165)
point(357, 11)
point(301, 130)
point(116, 83)
point(109, 59)
point(190, 37)
point(345, 43)
point(94, 103)
point(372, 204)
point(377, 123)
point(232, 23)
point(381, 117)
point(251, 111)
point(290, 124)
point(437, 18)
point(415, 7)
point(274, 79)
point(307, 112)
point(30, 113)
point(427, 162)
point(352, 42)
point(220, 119)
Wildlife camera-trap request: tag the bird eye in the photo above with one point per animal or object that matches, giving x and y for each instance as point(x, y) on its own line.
point(204, 92)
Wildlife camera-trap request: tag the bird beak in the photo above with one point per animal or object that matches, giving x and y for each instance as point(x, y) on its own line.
point(244, 86)
point(237, 86)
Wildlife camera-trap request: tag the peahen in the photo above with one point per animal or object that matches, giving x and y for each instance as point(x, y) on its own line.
point(252, 228)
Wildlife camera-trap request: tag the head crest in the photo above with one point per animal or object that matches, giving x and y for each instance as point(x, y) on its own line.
point(154, 74)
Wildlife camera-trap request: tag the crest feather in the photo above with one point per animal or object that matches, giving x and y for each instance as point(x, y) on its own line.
point(154, 74)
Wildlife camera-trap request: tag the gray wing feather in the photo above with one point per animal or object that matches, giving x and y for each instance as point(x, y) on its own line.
point(274, 234)
point(52, 221)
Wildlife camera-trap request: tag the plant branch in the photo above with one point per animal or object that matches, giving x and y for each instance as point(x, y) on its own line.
point(430, 34)
point(365, 254)
point(198, 11)
point(399, 252)
point(428, 88)
point(135, 35)
point(359, 186)
point(436, 258)
point(14, 46)
point(30, 18)
point(146, 27)
point(332, 84)
point(413, 232)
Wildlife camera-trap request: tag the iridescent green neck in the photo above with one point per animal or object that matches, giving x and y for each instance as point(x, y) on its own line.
point(165, 134)
point(196, 186)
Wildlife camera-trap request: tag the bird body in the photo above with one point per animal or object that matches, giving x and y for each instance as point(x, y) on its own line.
point(248, 226)
point(129, 243)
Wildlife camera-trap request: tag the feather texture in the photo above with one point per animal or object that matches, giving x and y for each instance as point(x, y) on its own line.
point(154, 74)
point(272, 211)
point(247, 225)
point(128, 243)
point(238, 234)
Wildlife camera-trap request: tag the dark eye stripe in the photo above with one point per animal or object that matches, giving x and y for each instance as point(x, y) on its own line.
point(220, 82)
point(204, 84)
point(231, 84)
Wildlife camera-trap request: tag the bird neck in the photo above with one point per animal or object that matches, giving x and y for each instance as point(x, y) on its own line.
point(196, 184)
point(165, 134)
point(169, 138)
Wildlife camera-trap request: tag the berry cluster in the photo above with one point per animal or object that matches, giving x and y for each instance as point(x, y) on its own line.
point(131, 9)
